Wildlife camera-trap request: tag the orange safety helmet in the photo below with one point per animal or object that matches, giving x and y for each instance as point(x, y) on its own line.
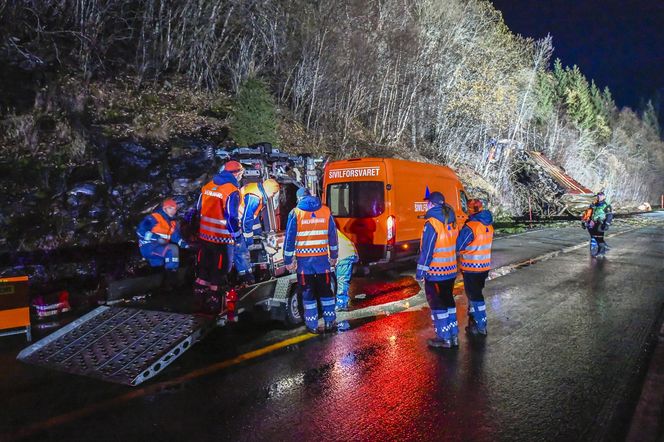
point(271, 187)
point(475, 206)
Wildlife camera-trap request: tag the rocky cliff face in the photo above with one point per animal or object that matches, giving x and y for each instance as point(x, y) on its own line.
point(52, 206)
point(70, 226)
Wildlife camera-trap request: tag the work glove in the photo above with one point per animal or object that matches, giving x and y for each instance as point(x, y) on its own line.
point(583, 225)
point(333, 262)
point(238, 239)
point(292, 266)
point(604, 227)
point(183, 244)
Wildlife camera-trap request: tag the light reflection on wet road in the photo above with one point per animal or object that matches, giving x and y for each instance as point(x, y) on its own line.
point(563, 361)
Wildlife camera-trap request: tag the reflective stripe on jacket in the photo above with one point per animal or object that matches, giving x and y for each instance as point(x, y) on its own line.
point(443, 262)
point(476, 256)
point(214, 225)
point(312, 238)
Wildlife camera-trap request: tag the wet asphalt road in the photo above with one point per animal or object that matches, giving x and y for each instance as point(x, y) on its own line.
point(568, 347)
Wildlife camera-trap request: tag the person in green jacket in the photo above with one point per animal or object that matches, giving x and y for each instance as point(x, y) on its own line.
point(344, 270)
point(597, 219)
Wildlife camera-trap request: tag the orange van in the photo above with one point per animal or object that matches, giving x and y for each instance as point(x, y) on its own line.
point(379, 203)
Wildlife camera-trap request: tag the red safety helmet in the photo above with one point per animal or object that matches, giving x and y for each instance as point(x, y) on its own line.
point(233, 167)
point(475, 206)
point(169, 202)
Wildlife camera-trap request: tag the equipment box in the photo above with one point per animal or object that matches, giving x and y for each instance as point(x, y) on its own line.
point(14, 306)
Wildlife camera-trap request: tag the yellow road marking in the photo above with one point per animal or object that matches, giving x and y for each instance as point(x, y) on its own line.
point(144, 391)
point(154, 388)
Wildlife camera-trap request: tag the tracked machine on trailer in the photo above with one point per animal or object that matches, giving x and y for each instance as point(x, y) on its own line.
point(131, 345)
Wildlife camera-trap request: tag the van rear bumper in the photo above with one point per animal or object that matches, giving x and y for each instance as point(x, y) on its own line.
point(370, 253)
point(373, 255)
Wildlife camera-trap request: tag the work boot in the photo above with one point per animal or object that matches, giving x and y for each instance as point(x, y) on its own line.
point(474, 330)
point(248, 279)
point(199, 294)
point(169, 282)
point(330, 327)
point(455, 340)
point(212, 303)
point(311, 315)
point(439, 342)
point(313, 331)
point(601, 252)
point(329, 313)
point(342, 303)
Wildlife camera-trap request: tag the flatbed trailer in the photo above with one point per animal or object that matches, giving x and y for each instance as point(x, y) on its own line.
point(119, 344)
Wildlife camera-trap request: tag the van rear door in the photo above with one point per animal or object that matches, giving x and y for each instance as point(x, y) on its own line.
point(354, 190)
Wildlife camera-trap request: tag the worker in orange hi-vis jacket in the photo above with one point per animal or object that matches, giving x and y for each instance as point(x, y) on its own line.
point(474, 250)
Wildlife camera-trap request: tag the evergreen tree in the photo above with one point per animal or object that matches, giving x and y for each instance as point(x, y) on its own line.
point(560, 77)
point(650, 118)
point(596, 99)
point(578, 101)
point(545, 93)
point(609, 105)
point(602, 114)
point(254, 114)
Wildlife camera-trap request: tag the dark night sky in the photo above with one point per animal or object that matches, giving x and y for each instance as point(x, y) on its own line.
point(619, 44)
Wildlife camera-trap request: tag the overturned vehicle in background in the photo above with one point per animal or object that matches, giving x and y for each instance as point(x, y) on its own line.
point(274, 294)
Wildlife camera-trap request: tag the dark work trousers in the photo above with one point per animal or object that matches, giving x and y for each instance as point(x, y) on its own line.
point(474, 284)
point(215, 262)
point(596, 233)
point(315, 286)
point(439, 294)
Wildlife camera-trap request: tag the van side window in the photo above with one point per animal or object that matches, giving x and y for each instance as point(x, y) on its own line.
point(356, 199)
point(464, 201)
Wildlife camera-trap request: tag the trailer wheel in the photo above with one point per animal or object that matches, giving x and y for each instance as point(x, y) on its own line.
point(293, 308)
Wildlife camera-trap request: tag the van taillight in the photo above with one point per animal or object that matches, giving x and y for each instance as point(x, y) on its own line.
point(391, 229)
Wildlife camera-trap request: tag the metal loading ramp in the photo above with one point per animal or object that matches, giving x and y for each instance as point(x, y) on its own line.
point(118, 344)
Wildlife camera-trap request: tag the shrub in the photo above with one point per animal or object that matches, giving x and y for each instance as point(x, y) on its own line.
point(254, 114)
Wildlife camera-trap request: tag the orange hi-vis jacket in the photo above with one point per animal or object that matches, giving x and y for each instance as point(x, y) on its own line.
point(214, 225)
point(312, 237)
point(444, 261)
point(587, 214)
point(476, 257)
point(163, 228)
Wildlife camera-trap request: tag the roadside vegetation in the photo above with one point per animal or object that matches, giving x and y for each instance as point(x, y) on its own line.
point(443, 81)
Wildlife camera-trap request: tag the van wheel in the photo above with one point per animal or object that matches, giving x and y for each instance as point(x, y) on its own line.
point(293, 308)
